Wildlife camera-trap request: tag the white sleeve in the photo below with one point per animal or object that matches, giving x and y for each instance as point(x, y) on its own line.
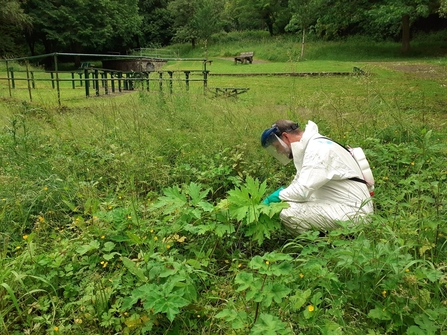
point(317, 170)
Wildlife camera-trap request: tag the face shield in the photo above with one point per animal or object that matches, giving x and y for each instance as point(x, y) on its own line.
point(275, 146)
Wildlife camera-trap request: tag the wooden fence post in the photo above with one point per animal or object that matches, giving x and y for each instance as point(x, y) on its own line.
point(28, 81)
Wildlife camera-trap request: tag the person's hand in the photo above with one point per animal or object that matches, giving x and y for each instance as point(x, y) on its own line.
point(274, 197)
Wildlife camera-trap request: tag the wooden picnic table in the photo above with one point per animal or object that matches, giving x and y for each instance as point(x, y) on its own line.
point(228, 91)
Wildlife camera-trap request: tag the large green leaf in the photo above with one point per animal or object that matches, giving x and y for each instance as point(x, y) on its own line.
point(196, 194)
point(299, 299)
point(83, 249)
point(268, 324)
point(274, 292)
point(250, 284)
point(237, 318)
point(131, 266)
point(379, 313)
point(172, 200)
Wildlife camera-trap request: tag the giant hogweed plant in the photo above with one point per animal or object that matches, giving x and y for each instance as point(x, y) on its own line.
point(257, 220)
point(241, 213)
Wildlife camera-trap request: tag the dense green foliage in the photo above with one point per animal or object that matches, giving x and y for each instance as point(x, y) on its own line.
point(45, 26)
point(140, 213)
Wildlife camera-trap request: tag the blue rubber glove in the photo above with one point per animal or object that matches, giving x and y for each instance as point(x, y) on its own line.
point(274, 197)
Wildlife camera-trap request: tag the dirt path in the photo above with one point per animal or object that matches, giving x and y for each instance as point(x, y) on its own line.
point(419, 70)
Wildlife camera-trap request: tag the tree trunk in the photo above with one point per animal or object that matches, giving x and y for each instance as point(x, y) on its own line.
point(302, 43)
point(29, 37)
point(48, 61)
point(269, 24)
point(405, 33)
point(76, 48)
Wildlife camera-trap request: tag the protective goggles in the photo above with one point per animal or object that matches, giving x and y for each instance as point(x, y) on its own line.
point(271, 141)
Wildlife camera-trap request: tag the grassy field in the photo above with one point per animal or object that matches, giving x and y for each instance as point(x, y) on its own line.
point(139, 212)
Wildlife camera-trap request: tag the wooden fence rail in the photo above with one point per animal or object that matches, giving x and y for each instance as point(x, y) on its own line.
point(109, 80)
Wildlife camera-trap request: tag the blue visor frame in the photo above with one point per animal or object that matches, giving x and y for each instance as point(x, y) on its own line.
point(266, 135)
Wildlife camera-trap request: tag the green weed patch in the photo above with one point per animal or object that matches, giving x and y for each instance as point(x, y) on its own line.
point(141, 213)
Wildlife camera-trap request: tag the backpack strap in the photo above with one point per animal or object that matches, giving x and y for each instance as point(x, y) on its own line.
point(360, 180)
point(357, 179)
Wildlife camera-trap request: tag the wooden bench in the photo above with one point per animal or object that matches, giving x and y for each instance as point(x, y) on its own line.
point(244, 57)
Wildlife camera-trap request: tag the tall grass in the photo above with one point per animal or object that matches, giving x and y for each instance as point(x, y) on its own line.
point(288, 47)
point(139, 213)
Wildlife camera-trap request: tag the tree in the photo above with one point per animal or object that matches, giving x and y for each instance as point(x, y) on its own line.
point(304, 13)
point(207, 18)
point(443, 8)
point(389, 13)
point(12, 21)
point(271, 14)
point(340, 18)
point(77, 25)
point(11, 12)
point(195, 19)
point(126, 24)
point(157, 27)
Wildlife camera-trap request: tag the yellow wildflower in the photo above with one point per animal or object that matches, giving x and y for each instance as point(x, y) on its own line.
point(25, 237)
point(168, 247)
point(155, 238)
point(301, 275)
point(56, 329)
point(267, 262)
point(407, 270)
point(384, 293)
point(103, 237)
point(310, 308)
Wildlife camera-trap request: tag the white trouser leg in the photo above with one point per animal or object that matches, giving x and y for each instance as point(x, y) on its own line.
point(303, 216)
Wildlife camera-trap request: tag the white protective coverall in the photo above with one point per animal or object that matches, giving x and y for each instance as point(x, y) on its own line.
point(321, 193)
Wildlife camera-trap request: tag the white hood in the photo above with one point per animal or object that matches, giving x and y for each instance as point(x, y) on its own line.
point(298, 148)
